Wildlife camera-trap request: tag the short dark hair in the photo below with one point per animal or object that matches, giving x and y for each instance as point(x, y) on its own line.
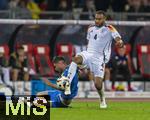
point(101, 12)
point(56, 59)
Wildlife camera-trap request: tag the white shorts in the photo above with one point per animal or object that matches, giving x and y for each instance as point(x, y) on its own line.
point(94, 63)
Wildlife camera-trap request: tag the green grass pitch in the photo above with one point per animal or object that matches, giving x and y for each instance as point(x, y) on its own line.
point(91, 111)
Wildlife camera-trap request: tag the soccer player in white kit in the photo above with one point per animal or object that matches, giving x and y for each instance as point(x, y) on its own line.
point(100, 37)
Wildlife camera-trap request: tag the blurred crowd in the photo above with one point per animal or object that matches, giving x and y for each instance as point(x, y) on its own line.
point(65, 5)
point(14, 67)
point(34, 8)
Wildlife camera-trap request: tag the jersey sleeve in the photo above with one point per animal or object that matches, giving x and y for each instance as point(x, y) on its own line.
point(114, 32)
point(88, 34)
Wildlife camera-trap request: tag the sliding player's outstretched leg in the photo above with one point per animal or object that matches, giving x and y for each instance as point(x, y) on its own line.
point(66, 89)
point(58, 98)
point(70, 73)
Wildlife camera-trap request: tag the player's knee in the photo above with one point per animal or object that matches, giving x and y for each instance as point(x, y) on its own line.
point(98, 86)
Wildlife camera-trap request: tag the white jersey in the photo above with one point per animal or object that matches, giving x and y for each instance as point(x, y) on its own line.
point(100, 40)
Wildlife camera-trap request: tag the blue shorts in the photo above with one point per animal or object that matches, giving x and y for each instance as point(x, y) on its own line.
point(55, 99)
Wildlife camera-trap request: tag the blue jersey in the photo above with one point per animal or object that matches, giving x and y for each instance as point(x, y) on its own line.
point(56, 94)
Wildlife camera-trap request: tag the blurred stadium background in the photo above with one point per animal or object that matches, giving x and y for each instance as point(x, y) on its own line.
point(47, 28)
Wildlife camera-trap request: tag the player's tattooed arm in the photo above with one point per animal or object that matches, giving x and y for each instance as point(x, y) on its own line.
point(119, 42)
point(46, 81)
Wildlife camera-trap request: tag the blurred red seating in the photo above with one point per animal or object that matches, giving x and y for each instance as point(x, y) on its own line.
point(144, 59)
point(45, 66)
point(5, 50)
point(66, 50)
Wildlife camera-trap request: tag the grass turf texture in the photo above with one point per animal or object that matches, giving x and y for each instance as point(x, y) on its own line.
point(91, 111)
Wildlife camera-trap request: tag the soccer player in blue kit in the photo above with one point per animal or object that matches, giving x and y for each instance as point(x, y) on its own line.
point(58, 97)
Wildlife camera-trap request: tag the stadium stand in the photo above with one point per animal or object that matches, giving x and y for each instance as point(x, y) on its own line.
point(66, 50)
point(5, 50)
point(35, 34)
point(127, 52)
point(144, 57)
point(121, 71)
point(135, 75)
point(44, 64)
point(28, 48)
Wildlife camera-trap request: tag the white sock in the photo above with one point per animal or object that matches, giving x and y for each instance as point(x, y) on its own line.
point(72, 71)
